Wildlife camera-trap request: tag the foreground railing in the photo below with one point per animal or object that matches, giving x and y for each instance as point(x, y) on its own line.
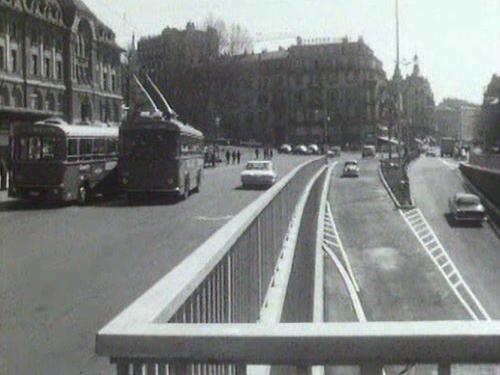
point(367, 345)
point(227, 284)
point(226, 279)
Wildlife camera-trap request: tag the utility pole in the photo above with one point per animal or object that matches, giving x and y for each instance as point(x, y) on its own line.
point(398, 88)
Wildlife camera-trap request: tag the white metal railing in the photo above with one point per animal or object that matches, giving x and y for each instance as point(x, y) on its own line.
point(225, 280)
point(367, 345)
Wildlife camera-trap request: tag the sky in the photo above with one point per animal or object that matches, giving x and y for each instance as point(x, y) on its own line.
point(457, 41)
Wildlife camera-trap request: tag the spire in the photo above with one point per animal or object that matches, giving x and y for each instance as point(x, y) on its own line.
point(397, 73)
point(416, 68)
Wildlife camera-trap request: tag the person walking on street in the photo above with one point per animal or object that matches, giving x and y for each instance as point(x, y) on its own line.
point(257, 153)
point(271, 153)
point(238, 156)
point(228, 156)
point(234, 156)
point(3, 175)
point(265, 153)
point(213, 159)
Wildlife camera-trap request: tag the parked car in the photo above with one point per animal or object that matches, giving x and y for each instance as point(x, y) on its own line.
point(351, 169)
point(466, 207)
point(314, 149)
point(258, 173)
point(334, 151)
point(368, 151)
point(301, 150)
point(285, 149)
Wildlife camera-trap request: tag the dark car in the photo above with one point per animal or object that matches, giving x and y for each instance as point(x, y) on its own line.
point(467, 207)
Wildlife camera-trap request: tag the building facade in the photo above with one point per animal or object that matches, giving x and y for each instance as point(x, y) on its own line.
point(457, 119)
point(56, 59)
point(417, 104)
point(490, 115)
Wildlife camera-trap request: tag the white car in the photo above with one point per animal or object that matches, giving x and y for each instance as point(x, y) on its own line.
point(258, 173)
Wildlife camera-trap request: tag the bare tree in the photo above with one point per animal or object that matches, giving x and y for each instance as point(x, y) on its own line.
point(219, 25)
point(234, 41)
point(240, 40)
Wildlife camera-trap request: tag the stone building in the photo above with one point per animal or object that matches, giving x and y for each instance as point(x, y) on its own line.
point(56, 59)
point(297, 94)
point(418, 104)
point(490, 114)
point(180, 63)
point(457, 119)
point(288, 95)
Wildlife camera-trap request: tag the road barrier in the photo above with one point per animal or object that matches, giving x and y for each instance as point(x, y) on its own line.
point(204, 316)
point(225, 280)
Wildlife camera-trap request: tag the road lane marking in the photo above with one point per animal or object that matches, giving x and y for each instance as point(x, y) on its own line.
point(447, 268)
point(452, 166)
point(345, 258)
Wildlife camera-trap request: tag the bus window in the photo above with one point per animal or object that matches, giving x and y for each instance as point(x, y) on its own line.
point(112, 146)
point(72, 149)
point(48, 148)
point(21, 148)
point(99, 147)
point(86, 147)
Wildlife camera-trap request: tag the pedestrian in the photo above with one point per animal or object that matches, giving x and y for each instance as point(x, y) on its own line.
point(271, 153)
point(234, 156)
point(256, 153)
point(238, 156)
point(228, 156)
point(3, 175)
point(213, 159)
point(265, 152)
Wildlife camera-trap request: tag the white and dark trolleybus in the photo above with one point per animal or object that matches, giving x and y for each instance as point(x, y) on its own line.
point(52, 160)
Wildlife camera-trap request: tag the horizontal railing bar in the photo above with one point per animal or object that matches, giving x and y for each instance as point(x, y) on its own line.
point(460, 342)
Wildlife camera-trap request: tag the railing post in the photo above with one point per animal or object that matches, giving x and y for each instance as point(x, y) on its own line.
point(302, 370)
point(444, 369)
point(372, 369)
point(122, 367)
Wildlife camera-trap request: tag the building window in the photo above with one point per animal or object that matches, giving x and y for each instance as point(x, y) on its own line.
point(13, 31)
point(105, 81)
point(59, 70)
point(13, 55)
point(2, 26)
point(2, 58)
point(58, 43)
point(34, 37)
point(34, 65)
point(48, 73)
point(113, 83)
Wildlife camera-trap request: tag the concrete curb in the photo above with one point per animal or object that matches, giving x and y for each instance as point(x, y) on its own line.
point(489, 205)
point(391, 194)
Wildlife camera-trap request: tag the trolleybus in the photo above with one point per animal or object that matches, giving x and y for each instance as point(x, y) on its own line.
point(160, 155)
point(52, 160)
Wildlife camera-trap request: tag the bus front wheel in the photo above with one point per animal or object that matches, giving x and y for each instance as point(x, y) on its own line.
point(83, 195)
point(198, 184)
point(185, 193)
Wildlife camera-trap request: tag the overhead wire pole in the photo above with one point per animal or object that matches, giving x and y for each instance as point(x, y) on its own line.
point(398, 89)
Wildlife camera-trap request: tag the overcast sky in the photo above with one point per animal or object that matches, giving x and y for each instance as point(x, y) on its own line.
point(458, 41)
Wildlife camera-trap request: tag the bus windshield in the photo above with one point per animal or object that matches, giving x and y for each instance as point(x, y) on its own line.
point(35, 148)
point(150, 145)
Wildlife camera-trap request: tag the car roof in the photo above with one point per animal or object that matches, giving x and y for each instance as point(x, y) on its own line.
point(351, 162)
point(466, 196)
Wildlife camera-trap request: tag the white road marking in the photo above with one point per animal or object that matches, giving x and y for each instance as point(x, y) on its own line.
point(453, 166)
point(214, 218)
point(437, 252)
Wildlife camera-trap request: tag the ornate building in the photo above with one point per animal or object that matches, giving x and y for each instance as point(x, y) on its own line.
point(490, 114)
point(418, 104)
point(56, 59)
point(180, 62)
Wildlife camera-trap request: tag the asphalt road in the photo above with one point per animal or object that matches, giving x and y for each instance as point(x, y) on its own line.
point(475, 250)
point(66, 271)
point(397, 279)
